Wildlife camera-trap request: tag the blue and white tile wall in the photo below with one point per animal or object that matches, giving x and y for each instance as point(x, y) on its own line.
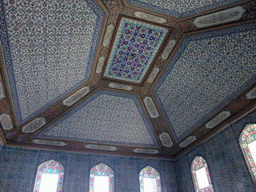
point(227, 166)
point(18, 170)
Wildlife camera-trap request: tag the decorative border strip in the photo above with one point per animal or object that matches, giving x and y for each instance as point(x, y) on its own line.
point(2, 95)
point(49, 142)
point(6, 121)
point(101, 147)
point(168, 49)
point(108, 35)
point(165, 139)
point(251, 94)
point(145, 151)
point(153, 75)
point(120, 86)
point(100, 65)
point(177, 14)
point(150, 17)
point(151, 108)
point(218, 119)
point(187, 141)
point(34, 125)
point(76, 96)
point(220, 17)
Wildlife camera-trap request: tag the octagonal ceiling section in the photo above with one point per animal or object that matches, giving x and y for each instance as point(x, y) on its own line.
point(178, 8)
point(49, 49)
point(135, 46)
point(106, 117)
point(206, 72)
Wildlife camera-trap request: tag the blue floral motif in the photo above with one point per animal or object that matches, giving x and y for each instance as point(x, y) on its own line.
point(134, 49)
point(206, 72)
point(179, 8)
point(116, 118)
point(49, 49)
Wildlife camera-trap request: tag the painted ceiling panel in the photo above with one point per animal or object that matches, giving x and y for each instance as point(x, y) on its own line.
point(52, 46)
point(180, 8)
point(207, 71)
point(105, 117)
point(134, 49)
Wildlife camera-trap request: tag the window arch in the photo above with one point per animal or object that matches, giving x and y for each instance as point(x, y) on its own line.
point(201, 176)
point(101, 179)
point(149, 180)
point(49, 177)
point(248, 144)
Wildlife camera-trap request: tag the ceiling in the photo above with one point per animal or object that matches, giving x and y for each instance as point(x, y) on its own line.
point(124, 77)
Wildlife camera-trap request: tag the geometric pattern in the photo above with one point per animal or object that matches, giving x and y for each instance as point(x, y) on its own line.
point(49, 49)
point(180, 8)
point(134, 49)
point(206, 72)
point(105, 117)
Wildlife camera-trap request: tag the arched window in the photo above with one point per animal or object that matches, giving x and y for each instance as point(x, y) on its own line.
point(149, 180)
point(49, 177)
point(248, 145)
point(201, 176)
point(101, 179)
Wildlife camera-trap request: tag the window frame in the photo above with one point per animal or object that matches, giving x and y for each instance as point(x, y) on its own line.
point(101, 170)
point(150, 172)
point(243, 141)
point(51, 165)
point(197, 164)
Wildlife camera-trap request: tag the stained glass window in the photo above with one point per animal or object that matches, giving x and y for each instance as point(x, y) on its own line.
point(101, 179)
point(248, 145)
point(149, 180)
point(201, 176)
point(49, 177)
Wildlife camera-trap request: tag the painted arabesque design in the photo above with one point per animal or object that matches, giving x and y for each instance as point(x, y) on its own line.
point(102, 170)
point(248, 136)
point(49, 167)
point(149, 172)
point(199, 163)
